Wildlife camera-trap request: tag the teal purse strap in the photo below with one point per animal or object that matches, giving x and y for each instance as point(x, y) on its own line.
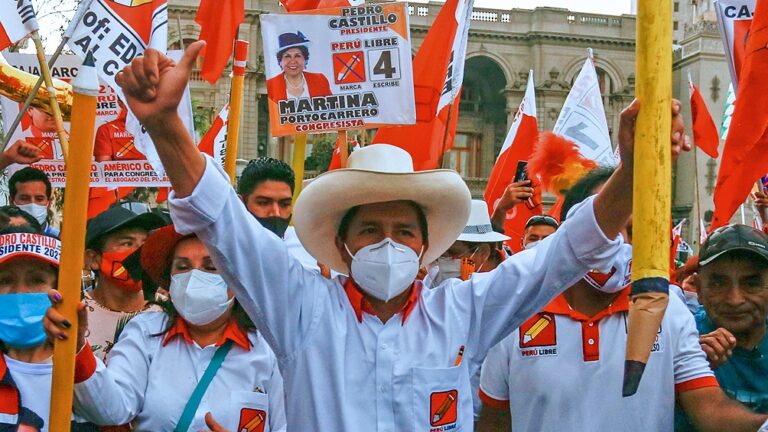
point(194, 401)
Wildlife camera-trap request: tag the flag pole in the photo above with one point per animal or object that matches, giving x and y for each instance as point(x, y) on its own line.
point(299, 154)
point(55, 110)
point(652, 187)
point(235, 107)
point(343, 148)
point(31, 96)
point(86, 91)
point(445, 136)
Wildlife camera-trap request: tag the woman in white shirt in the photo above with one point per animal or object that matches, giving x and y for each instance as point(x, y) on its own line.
point(163, 359)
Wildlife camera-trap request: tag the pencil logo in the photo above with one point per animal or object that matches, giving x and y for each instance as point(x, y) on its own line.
point(252, 420)
point(538, 331)
point(443, 407)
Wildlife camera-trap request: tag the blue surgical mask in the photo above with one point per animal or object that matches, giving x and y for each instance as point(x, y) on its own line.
point(21, 319)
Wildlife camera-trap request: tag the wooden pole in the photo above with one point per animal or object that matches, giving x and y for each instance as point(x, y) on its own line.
point(235, 107)
point(46, 73)
point(652, 187)
point(343, 148)
point(299, 154)
point(86, 91)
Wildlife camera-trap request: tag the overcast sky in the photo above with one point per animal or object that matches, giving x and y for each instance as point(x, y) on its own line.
point(613, 7)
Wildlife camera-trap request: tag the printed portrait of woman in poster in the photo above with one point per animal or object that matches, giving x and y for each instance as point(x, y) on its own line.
point(295, 81)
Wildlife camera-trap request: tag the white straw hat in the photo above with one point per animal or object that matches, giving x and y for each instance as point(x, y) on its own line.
point(479, 228)
point(379, 173)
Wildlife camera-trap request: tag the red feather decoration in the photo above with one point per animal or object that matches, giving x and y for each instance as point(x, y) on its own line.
point(557, 163)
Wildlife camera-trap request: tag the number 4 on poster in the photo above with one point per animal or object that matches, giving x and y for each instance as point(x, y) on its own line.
point(384, 64)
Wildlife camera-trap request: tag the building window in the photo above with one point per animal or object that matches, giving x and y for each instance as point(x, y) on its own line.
point(677, 7)
point(464, 155)
point(674, 26)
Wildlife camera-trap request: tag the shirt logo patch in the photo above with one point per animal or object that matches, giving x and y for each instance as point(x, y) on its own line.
point(252, 420)
point(538, 336)
point(443, 410)
point(597, 279)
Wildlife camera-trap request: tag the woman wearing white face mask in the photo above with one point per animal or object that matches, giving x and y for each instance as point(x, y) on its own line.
point(201, 355)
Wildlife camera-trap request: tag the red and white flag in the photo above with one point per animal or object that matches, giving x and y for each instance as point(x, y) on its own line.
point(438, 71)
point(518, 145)
point(582, 119)
point(705, 134)
point(734, 18)
point(17, 21)
point(744, 159)
point(214, 142)
point(302, 5)
point(336, 158)
point(677, 236)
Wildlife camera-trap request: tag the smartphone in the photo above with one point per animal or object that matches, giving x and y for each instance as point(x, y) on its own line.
point(520, 173)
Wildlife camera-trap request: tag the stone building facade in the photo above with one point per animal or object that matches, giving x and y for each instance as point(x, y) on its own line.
point(503, 46)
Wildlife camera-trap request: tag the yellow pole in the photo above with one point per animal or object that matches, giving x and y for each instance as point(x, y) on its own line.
point(86, 87)
point(299, 154)
point(652, 187)
point(235, 107)
point(55, 110)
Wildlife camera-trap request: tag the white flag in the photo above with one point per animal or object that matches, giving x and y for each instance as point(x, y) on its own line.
point(734, 17)
point(17, 20)
point(582, 119)
point(455, 73)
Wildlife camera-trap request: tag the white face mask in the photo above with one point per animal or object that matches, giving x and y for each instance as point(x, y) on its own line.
point(384, 269)
point(531, 245)
point(199, 297)
point(619, 275)
point(37, 211)
point(448, 268)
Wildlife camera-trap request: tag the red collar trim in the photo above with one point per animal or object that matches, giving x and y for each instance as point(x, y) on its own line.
point(360, 304)
point(232, 332)
point(560, 306)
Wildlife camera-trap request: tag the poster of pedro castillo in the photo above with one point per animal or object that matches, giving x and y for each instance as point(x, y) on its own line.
point(339, 68)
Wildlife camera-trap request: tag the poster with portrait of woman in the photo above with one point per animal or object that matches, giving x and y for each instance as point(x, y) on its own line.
point(337, 69)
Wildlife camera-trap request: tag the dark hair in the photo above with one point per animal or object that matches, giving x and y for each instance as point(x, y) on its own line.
point(26, 175)
point(347, 219)
point(304, 51)
point(10, 211)
point(20, 229)
point(262, 169)
point(584, 188)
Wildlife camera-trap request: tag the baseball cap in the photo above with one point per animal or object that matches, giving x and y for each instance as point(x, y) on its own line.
point(116, 218)
point(32, 245)
point(542, 220)
point(730, 238)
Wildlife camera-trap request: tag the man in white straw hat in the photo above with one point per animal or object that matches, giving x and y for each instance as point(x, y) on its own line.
point(372, 351)
point(476, 249)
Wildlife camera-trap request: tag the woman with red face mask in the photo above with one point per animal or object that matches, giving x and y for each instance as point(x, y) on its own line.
point(111, 238)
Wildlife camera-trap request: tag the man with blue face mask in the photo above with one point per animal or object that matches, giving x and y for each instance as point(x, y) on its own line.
point(373, 349)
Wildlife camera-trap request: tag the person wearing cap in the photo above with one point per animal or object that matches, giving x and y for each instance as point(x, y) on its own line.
point(294, 81)
point(158, 363)
point(30, 190)
point(111, 238)
point(372, 349)
point(732, 286)
point(475, 251)
point(12, 216)
point(564, 361)
point(537, 228)
point(29, 264)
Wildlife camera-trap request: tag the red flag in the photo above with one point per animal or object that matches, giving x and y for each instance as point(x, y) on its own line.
point(101, 198)
point(677, 234)
point(744, 158)
point(302, 5)
point(438, 70)
point(705, 134)
point(218, 20)
point(517, 146)
point(557, 208)
point(336, 158)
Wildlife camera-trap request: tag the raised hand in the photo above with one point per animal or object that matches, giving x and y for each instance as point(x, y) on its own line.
point(20, 152)
point(59, 328)
point(515, 194)
point(679, 141)
point(153, 84)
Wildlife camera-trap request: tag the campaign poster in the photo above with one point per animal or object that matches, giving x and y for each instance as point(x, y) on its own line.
point(734, 17)
point(338, 69)
point(117, 162)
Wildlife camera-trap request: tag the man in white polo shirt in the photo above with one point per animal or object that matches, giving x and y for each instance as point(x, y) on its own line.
point(373, 351)
point(560, 370)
